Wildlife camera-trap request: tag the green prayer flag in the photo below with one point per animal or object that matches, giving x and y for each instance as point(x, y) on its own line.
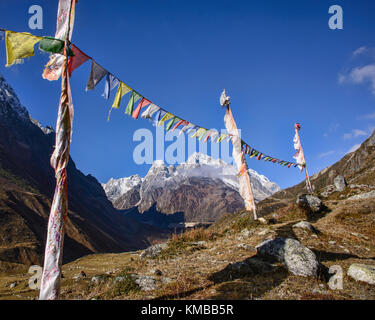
point(133, 99)
point(172, 122)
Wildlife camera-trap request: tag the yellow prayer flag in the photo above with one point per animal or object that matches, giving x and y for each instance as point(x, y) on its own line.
point(199, 132)
point(121, 91)
point(19, 46)
point(166, 117)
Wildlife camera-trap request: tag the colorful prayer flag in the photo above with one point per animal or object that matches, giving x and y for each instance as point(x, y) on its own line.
point(19, 46)
point(152, 108)
point(97, 73)
point(158, 115)
point(144, 102)
point(178, 124)
point(121, 91)
point(166, 117)
point(77, 60)
point(172, 122)
point(133, 98)
point(110, 83)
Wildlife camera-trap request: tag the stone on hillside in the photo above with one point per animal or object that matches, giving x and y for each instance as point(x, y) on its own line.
point(97, 279)
point(13, 285)
point(156, 272)
point(328, 190)
point(298, 259)
point(199, 243)
point(146, 283)
point(244, 246)
point(262, 221)
point(304, 225)
point(362, 196)
point(362, 272)
point(340, 183)
point(310, 202)
point(80, 275)
point(119, 279)
point(153, 251)
point(246, 233)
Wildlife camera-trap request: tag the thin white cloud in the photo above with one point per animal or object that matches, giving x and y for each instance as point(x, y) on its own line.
point(341, 78)
point(359, 51)
point(325, 154)
point(354, 134)
point(363, 74)
point(370, 116)
point(354, 148)
point(360, 75)
point(359, 133)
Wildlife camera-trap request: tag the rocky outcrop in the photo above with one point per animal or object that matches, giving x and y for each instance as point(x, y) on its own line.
point(298, 259)
point(362, 272)
point(339, 183)
point(310, 202)
point(115, 188)
point(153, 251)
point(361, 196)
point(129, 199)
point(304, 225)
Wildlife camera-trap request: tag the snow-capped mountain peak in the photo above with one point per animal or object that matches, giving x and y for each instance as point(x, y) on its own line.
point(9, 97)
point(200, 168)
point(114, 188)
point(198, 158)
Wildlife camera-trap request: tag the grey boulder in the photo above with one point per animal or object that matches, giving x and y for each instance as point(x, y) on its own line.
point(339, 183)
point(153, 251)
point(298, 259)
point(362, 272)
point(311, 202)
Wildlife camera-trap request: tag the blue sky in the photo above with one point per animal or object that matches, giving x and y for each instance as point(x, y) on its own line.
point(278, 60)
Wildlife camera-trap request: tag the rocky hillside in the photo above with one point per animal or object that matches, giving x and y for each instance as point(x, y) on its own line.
point(356, 169)
point(27, 184)
point(202, 189)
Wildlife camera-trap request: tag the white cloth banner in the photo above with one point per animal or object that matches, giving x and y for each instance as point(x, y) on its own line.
point(53, 68)
point(244, 178)
point(299, 156)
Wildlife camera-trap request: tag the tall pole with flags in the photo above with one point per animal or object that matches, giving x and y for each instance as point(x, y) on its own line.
point(50, 285)
point(300, 156)
point(243, 174)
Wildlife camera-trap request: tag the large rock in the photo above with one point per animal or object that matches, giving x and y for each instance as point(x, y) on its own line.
point(298, 259)
point(146, 283)
point(362, 272)
point(339, 183)
point(363, 196)
point(153, 251)
point(304, 225)
point(310, 202)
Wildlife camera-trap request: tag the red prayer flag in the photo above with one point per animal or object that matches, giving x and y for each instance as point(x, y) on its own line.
point(144, 102)
point(179, 123)
point(77, 60)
